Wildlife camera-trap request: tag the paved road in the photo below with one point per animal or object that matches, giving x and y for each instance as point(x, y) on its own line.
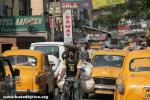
point(95, 97)
point(91, 97)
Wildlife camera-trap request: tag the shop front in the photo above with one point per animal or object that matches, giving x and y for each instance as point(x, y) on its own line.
point(21, 31)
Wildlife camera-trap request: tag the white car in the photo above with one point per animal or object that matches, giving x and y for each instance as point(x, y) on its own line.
point(54, 50)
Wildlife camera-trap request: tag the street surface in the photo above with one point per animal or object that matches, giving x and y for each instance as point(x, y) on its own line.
point(91, 97)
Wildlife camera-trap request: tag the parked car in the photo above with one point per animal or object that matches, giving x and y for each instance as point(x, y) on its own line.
point(7, 80)
point(36, 75)
point(107, 66)
point(134, 81)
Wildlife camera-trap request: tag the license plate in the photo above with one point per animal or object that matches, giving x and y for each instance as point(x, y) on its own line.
point(147, 93)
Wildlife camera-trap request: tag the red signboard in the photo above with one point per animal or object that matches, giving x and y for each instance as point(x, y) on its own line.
point(67, 25)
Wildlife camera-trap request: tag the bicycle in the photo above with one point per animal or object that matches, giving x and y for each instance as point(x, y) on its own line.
point(68, 89)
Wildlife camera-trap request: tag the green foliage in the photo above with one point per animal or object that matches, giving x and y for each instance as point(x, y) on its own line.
point(139, 9)
point(112, 19)
point(133, 9)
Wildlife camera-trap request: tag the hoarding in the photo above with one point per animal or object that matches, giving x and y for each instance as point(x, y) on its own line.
point(67, 26)
point(74, 4)
point(102, 3)
point(22, 24)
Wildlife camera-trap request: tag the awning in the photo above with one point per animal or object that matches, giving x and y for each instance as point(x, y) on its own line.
point(94, 29)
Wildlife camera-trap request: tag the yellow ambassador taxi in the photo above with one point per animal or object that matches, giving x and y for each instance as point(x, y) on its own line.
point(36, 75)
point(134, 81)
point(107, 65)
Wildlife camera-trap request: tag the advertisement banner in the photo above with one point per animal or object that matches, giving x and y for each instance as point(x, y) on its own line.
point(67, 26)
point(22, 24)
point(75, 4)
point(102, 3)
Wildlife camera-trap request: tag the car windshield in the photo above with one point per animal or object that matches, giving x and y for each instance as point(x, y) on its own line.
point(140, 64)
point(23, 60)
point(50, 50)
point(108, 60)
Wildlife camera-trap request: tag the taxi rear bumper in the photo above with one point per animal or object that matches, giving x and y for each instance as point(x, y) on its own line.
point(104, 89)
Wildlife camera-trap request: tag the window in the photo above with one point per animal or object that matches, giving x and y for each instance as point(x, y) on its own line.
point(140, 64)
point(24, 7)
point(108, 60)
point(23, 60)
point(49, 50)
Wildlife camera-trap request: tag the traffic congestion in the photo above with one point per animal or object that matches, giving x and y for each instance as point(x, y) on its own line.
point(111, 72)
point(74, 49)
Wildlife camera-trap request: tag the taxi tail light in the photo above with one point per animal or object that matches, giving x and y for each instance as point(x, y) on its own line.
point(121, 88)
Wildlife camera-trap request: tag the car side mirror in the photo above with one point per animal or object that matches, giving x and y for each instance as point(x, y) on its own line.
point(16, 72)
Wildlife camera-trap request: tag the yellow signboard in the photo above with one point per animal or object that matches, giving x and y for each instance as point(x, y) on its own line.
point(102, 3)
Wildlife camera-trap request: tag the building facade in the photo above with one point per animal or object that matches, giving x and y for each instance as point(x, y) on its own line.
point(22, 22)
point(39, 7)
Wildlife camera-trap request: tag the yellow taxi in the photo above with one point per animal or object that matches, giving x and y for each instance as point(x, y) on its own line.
point(36, 75)
point(134, 81)
point(95, 46)
point(107, 65)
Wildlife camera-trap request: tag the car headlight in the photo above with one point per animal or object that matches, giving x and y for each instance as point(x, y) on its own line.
point(121, 88)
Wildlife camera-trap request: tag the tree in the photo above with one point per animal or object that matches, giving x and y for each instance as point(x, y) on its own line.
point(139, 9)
point(133, 9)
point(110, 20)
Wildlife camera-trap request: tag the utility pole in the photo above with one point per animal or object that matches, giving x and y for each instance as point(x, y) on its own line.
point(90, 17)
point(53, 22)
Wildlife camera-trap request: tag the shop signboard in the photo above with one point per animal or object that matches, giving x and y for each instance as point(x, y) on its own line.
point(74, 4)
point(17, 24)
point(67, 25)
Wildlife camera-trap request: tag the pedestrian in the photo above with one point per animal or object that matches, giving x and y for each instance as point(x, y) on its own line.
point(85, 54)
